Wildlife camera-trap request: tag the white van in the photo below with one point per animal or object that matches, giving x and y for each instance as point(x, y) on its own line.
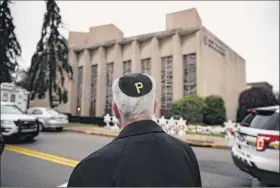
point(15, 94)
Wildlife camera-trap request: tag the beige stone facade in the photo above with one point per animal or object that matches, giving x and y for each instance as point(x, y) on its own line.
point(184, 59)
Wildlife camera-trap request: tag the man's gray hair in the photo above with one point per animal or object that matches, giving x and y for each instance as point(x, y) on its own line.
point(131, 108)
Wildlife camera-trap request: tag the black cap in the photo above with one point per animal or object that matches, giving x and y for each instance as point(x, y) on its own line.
point(135, 84)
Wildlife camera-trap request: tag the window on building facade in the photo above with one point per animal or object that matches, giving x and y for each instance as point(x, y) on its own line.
point(189, 63)
point(93, 89)
point(166, 85)
point(126, 67)
point(109, 82)
point(146, 66)
point(79, 90)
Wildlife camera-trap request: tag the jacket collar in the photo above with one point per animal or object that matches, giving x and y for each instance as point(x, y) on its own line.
point(140, 127)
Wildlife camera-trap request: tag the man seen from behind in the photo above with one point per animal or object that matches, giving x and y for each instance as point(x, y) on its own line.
point(143, 155)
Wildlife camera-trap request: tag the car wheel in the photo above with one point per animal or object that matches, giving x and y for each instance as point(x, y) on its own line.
point(10, 139)
point(59, 129)
point(41, 127)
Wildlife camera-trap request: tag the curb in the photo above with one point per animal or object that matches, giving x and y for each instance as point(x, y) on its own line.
point(205, 144)
point(190, 142)
point(92, 133)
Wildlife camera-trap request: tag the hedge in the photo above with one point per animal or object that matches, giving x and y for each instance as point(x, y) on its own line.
point(190, 108)
point(214, 110)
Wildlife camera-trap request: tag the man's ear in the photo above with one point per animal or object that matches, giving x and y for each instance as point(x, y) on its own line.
point(116, 110)
point(155, 105)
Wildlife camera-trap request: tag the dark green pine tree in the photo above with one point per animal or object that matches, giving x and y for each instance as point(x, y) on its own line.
point(24, 80)
point(49, 64)
point(10, 49)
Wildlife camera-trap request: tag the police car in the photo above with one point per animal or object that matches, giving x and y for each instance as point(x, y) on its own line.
point(17, 125)
point(256, 151)
point(63, 185)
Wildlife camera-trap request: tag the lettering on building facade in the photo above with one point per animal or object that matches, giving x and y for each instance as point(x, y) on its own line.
point(213, 45)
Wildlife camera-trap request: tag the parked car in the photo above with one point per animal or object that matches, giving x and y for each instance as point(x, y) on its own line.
point(2, 144)
point(257, 145)
point(17, 125)
point(49, 118)
point(64, 185)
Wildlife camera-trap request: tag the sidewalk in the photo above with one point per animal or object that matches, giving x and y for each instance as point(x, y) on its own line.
point(194, 140)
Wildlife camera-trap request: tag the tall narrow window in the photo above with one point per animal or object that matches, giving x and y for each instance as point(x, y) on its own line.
point(166, 85)
point(126, 67)
point(146, 66)
point(109, 82)
point(93, 89)
point(189, 63)
point(79, 90)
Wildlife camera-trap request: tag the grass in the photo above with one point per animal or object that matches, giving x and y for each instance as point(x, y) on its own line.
point(205, 134)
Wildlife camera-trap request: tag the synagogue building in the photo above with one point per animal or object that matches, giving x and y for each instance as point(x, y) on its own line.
point(185, 58)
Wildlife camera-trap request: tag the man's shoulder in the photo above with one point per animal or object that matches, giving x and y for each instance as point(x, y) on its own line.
point(108, 152)
point(180, 142)
point(101, 163)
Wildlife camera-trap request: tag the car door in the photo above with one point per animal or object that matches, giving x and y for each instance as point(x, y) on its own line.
point(260, 125)
point(2, 144)
point(38, 113)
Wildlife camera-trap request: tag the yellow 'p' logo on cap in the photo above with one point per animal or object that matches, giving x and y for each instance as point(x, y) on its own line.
point(138, 86)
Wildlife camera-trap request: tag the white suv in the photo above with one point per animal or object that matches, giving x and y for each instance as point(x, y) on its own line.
point(257, 145)
point(17, 125)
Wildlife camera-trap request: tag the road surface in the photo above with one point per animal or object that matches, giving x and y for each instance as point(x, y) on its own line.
point(29, 168)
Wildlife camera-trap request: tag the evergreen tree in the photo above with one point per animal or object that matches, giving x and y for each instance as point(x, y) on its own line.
point(49, 64)
point(10, 49)
point(24, 80)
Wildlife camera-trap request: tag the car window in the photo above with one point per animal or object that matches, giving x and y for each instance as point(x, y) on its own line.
point(247, 120)
point(37, 111)
point(29, 111)
point(277, 122)
point(13, 98)
point(5, 97)
point(262, 120)
point(52, 111)
point(10, 109)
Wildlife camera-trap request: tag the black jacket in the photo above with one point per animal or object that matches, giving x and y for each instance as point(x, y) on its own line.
point(142, 155)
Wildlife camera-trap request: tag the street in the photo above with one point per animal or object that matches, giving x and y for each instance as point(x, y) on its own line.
point(20, 169)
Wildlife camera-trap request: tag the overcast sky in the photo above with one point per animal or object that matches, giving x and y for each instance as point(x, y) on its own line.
point(250, 28)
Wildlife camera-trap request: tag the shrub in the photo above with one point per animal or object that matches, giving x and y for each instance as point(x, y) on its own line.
point(190, 108)
point(214, 110)
point(252, 98)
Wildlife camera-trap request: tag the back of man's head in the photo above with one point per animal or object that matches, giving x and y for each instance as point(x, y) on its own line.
point(134, 97)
